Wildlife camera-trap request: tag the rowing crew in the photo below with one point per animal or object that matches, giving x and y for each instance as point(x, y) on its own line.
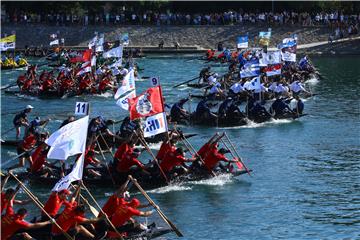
point(71, 220)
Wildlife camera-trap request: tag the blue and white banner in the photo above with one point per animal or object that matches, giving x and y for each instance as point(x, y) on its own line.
point(125, 39)
point(288, 56)
point(243, 41)
point(126, 90)
point(268, 58)
point(5, 46)
point(114, 52)
point(155, 124)
point(288, 43)
point(250, 69)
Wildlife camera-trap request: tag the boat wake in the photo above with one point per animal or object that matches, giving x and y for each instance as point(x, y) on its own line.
point(312, 81)
point(173, 187)
point(252, 124)
point(105, 95)
point(219, 180)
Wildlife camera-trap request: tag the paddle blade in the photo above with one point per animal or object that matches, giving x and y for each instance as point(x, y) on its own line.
point(239, 165)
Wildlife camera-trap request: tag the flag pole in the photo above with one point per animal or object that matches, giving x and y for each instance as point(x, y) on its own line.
point(40, 205)
point(161, 214)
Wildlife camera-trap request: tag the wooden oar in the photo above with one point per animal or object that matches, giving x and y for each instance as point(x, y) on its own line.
point(161, 214)
point(238, 156)
point(185, 82)
point(143, 142)
point(92, 209)
point(40, 205)
point(106, 164)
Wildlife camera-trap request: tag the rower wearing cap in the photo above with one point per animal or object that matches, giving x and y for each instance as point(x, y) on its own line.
point(126, 165)
point(20, 119)
point(34, 124)
point(174, 162)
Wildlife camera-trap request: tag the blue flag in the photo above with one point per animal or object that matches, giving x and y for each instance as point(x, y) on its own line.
point(243, 41)
point(250, 69)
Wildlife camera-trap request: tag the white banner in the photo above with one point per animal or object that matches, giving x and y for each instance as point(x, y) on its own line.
point(68, 140)
point(273, 57)
point(75, 174)
point(123, 101)
point(5, 46)
point(128, 84)
point(115, 52)
point(155, 124)
point(55, 42)
point(288, 56)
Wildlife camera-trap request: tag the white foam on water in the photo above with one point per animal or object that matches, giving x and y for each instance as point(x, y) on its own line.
point(171, 188)
point(155, 146)
point(25, 96)
point(11, 153)
point(219, 180)
point(279, 121)
point(312, 81)
point(105, 95)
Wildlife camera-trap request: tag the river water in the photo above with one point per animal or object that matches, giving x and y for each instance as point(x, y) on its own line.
point(306, 179)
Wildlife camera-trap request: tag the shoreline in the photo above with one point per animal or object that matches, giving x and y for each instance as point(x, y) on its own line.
point(192, 39)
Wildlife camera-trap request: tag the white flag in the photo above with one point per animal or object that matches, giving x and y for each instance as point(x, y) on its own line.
point(68, 140)
point(123, 101)
point(55, 42)
point(75, 174)
point(93, 61)
point(116, 64)
point(5, 46)
point(273, 57)
point(115, 52)
point(155, 124)
point(128, 84)
point(92, 43)
point(254, 84)
point(85, 67)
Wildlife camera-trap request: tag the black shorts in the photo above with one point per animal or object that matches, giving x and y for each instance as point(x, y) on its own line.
point(72, 232)
point(21, 151)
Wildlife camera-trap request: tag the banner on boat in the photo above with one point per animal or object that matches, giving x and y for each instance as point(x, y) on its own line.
point(273, 57)
point(288, 49)
point(82, 108)
point(250, 69)
point(68, 140)
point(8, 42)
point(115, 52)
point(75, 175)
point(85, 68)
point(126, 90)
point(243, 41)
point(264, 38)
point(147, 104)
point(155, 124)
point(272, 70)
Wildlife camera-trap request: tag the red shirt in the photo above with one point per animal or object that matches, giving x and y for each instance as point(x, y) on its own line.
point(88, 160)
point(11, 223)
point(54, 203)
point(103, 84)
point(38, 159)
point(67, 219)
point(164, 149)
point(127, 162)
point(112, 204)
point(203, 150)
point(4, 202)
point(213, 158)
point(122, 149)
point(29, 142)
point(123, 214)
point(171, 160)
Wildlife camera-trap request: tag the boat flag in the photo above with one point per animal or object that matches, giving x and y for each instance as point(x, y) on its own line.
point(288, 49)
point(7, 42)
point(272, 70)
point(68, 140)
point(155, 124)
point(126, 90)
point(264, 38)
point(85, 68)
point(99, 45)
point(147, 104)
point(243, 41)
point(125, 39)
point(250, 69)
point(114, 52)
point(271, 57)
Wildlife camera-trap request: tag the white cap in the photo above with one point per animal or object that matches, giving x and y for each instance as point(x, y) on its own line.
point(29, 107)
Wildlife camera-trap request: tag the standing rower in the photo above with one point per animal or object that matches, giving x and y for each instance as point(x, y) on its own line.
point(20, 119)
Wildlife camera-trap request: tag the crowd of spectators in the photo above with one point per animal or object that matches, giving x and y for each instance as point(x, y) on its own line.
point(333, 19)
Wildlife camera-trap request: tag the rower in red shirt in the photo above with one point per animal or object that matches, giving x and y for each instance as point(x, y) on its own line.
point(8, 198)
point(122, 149)
point(24, 149)
point(166, 147)
point(40, 166)
point(174, 162)
point(129, 160)
point(122, 218)
point(54, 203)
point(11, 223)
point(70, 220)
point(116, 200)
point(212, 160)
point(90, 159)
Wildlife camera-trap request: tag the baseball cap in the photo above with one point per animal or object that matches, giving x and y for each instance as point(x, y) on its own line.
point(29, 107)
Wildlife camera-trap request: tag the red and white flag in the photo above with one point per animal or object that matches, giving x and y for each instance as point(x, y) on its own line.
point(147, 104)
point(272, 70)
point(85, 67)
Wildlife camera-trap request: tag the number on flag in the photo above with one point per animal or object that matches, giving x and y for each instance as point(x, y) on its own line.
point(154, 81)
